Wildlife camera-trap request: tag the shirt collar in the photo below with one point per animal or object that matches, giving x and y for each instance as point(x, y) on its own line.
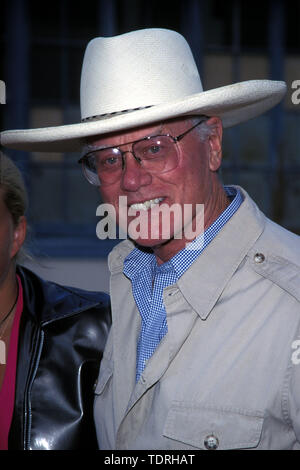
point(184, 258)
point(204, 282)
point(137, 261)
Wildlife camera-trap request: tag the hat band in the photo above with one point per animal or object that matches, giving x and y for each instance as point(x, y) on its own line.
point(115, 113)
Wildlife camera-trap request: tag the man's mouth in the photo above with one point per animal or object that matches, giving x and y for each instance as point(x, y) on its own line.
point(146, 205)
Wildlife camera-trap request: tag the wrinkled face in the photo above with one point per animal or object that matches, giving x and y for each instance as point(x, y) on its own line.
point(11, 238)
point(190, 183)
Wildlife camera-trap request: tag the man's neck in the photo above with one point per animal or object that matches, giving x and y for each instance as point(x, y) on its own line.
point(212, 211)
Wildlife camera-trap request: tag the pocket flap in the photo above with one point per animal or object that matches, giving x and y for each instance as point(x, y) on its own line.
point(200, 425)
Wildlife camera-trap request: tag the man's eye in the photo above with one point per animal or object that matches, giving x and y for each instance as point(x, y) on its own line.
point(109, 161)
point(153, 150)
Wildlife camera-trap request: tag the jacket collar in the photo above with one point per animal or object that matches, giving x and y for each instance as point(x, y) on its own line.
point(204, 281)
point(47, 301)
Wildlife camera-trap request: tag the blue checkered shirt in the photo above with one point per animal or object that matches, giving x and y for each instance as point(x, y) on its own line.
point(149, 280)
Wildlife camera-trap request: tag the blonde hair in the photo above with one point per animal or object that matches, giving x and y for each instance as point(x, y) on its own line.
point(14, 193)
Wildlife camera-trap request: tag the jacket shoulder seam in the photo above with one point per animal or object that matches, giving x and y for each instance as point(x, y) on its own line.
point(281, 271)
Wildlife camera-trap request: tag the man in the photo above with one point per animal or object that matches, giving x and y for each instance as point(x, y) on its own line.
point(204, 348)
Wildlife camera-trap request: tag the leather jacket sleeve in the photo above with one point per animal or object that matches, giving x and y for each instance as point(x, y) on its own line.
point(61, 340)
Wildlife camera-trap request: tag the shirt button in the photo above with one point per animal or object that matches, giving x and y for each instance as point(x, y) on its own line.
point(211, 442)
point(259, 258)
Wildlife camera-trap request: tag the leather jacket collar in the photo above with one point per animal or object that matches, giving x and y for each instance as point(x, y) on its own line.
point(53, 301)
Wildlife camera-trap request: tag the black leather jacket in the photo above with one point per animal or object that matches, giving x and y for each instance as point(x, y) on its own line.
point(62, 336)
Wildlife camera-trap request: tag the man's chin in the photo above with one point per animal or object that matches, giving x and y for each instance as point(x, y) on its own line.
point(149, 242)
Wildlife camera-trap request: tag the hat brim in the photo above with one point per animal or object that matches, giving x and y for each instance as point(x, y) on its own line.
point(233, 104)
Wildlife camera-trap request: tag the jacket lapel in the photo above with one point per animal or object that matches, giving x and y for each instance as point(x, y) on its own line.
point(125, 329)
point(180, 321)
point(203, 283)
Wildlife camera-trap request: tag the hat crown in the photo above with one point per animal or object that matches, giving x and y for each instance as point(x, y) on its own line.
point(136, 70)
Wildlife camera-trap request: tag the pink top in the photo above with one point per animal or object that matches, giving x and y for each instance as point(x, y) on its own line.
point(7, 392)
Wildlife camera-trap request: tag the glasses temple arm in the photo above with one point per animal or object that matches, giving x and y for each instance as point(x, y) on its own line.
point(179, 137)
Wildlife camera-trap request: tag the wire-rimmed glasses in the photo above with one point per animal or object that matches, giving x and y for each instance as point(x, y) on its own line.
point(156, 154)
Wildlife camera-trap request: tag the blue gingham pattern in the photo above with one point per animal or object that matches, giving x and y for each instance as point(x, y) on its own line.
point(149, 280)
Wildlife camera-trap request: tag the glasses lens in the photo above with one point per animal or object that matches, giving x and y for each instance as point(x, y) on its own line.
point(90, 171)
point(157, 154)
point(103, 166)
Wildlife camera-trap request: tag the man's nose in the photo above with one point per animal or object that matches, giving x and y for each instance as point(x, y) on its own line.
point(134, 175)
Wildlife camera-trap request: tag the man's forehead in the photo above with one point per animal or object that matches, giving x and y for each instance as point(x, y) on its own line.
point(136, 132)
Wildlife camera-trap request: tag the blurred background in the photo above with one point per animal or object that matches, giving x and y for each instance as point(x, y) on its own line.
point(41, 51)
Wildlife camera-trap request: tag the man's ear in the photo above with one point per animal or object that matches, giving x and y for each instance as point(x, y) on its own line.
point(19, 236)
point(215, 143)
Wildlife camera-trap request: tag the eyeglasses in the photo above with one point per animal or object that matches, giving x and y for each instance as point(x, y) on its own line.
point(156, 154)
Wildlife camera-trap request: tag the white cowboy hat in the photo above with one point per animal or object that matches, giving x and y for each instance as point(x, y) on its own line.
point(139, 78)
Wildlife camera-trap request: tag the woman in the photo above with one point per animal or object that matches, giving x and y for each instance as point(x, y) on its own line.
point(51, 342)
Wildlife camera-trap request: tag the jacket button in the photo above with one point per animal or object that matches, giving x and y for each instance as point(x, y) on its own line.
point(259, 258)
point(211, 442)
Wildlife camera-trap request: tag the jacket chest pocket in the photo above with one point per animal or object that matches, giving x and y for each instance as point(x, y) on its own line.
point(209, 427)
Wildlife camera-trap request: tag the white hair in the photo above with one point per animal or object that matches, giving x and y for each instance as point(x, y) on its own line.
point(204, 130)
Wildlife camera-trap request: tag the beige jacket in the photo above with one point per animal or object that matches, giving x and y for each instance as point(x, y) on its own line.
point(227, 374)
